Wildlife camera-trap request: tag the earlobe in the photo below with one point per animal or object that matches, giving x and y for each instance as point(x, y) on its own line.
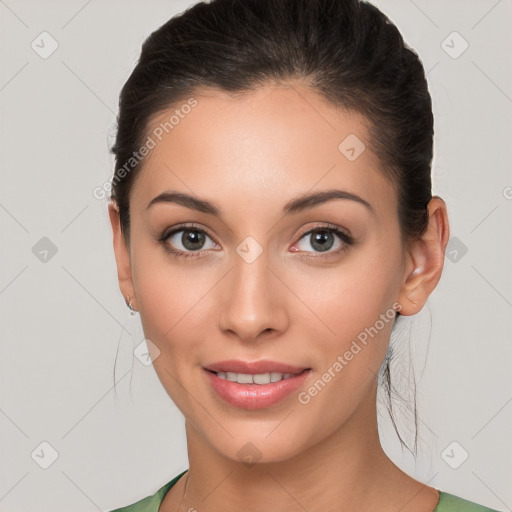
point(425, 260)
point(122, 255)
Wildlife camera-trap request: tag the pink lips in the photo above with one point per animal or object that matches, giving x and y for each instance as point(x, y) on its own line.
point(254, 396)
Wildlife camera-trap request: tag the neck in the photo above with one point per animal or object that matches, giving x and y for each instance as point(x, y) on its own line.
point(348, 469)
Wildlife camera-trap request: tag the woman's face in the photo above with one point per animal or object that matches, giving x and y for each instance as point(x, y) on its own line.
point(256, 287)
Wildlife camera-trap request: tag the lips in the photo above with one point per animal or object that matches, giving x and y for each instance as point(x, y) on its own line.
point(255, 367)
point(255, 396)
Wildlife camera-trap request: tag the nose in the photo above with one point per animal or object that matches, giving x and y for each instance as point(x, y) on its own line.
point(253, 301)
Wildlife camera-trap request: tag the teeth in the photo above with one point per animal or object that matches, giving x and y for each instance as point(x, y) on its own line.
point(260, 378)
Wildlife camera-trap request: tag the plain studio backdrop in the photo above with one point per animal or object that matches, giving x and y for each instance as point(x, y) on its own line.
point(69, 439)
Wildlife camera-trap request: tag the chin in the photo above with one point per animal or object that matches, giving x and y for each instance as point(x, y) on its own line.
point(260, 448)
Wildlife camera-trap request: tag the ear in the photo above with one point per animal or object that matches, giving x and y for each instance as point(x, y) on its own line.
point(425, 260)
point(122, 254)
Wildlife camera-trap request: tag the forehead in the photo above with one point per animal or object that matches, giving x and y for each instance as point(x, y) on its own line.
point(262, 146)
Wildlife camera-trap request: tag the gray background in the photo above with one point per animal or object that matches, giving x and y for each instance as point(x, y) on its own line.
point(63, 317)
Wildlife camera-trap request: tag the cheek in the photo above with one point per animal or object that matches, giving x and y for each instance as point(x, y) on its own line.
point(355, 307)
point(343, 301)
point(170, 301)
point(358, 318)
point(166, 297)
point(174, 318)
point(349, 347)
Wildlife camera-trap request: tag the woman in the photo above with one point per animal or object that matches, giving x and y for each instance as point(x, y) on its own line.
point(273, 216)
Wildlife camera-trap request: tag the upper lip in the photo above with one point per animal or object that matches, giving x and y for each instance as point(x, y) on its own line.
point(254, 367)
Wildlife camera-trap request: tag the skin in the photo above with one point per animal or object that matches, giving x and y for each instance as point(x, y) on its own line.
point(250, 155)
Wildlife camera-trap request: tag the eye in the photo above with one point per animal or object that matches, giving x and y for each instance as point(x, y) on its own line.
point(188, 240)
point(323, 238)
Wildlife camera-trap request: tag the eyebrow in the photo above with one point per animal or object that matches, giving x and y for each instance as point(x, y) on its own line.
point(294, 206)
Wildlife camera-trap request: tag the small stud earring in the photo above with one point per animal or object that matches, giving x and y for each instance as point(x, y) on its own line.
point(130, 306)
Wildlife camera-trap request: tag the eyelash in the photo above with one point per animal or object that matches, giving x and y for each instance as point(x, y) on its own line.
point(346, 239)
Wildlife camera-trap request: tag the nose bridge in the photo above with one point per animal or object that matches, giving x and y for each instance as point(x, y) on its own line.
point(252, 302)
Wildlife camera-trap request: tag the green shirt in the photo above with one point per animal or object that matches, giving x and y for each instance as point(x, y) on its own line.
point(447, 502)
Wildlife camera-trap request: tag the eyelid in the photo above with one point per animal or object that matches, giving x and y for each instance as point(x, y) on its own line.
point(328, 227)
point(317, 226)
point(182, 227)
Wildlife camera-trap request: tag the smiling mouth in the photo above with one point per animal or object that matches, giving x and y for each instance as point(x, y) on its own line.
point(253, 391)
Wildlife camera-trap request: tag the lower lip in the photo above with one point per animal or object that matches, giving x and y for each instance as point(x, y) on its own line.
point(255, 396)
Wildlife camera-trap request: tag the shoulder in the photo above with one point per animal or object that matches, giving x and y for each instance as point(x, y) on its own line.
point(150, 503)
point(451, 503)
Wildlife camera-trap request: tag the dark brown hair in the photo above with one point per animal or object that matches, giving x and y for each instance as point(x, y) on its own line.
point(347, 51)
